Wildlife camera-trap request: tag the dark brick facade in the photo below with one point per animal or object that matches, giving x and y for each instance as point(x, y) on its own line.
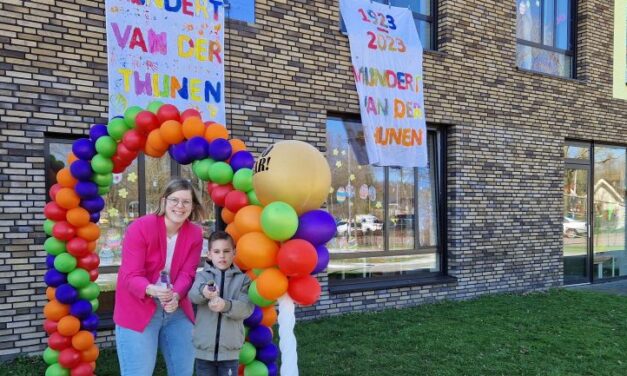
point(285, 72)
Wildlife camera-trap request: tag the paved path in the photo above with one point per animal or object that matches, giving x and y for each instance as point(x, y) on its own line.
point(617, 287)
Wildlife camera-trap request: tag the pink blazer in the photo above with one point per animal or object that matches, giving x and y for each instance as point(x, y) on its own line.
point(143, 258)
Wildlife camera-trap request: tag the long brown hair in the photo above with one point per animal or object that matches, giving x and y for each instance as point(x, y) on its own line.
point(178, 184)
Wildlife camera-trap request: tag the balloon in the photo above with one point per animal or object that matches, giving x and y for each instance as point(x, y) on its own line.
point(236, 144)
point(172, 132)
point(257, 250)
point(93, 275)
point(65, 262)
point(91, 322)
point(90, 354)
point(58, 342)
point(221, 173)
point(81, 170)
point(53, 190)
point(86, 189)
point(220, 149)
point(179, 153)
point(271, 283)
point(154, 107)
point(96, 131)
point(316, 226)
point(268, 353)
point(68, 326)
point(257, 299)
point(279, 221)
point(54, 212)
point(293, 172)
point(67, 199)
point(89, 292)
point(83, 369)
point(242, 159)
point(65, 178)
point(190, 112)
point(78, 278)
point(146, 122)
point(77, 217)
point(94, 217)
point(201, 169)
point(272, 369)
point(133, 140)
point(243, 179)
point(63, 231)
point(252, 198)
point(54, 246)
point(304, 290)
point(247, 353)
point(93, 205)
point(56, 370)
point(167, 112)
point(130, 115)
point(197, 148)
point(90, 232)
point(54, 278)
point(106, 146)
point(66, 294)
point(193, 127)
point(215, 131)
point(116, 128)
point(256, 368)
point(323, 259)
point(255, 317)
point(81, 309)
point(227, 215)
point(50, 356)
point(269, 316)
point(248, 219)
point(297, 257)
point(155, 141)
point(84, 149)
point(83, 340)
point(69, 358)
point(101, 165)
point(89, 262)
point(260, 336)
point(125, 154)
point(235, 200)
point(50, 261)
point(218, 194)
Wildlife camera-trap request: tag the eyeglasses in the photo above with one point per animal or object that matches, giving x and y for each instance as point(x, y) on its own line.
point(176, 202)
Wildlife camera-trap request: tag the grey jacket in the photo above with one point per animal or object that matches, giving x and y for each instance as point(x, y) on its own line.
point(220, 336)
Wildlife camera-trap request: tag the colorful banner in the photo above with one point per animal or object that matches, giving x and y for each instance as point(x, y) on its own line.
point(166, 50)
point(620, 49)
point(387, 65)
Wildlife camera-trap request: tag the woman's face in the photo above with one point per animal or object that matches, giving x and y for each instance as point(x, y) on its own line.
point(178, 206)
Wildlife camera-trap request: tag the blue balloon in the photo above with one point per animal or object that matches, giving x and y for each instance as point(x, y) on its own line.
point(81, 170)
point(316, 226)
point(260, 336)
point(66, 293)
point(197, 148)
point(268, 354)
point(81, 309)
point(178, 152)
point(90, 323)
point(50, 261)
point(272, 369)
point(255, 318)
point(83, 149)
point(86, 189)
point(94, 217)
point(220, 149)
point(93, 205)
point(55, 278)
point(242, 159)
point(323, 259)
point(97, 131)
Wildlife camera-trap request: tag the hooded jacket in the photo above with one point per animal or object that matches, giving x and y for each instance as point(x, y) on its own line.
point(219, 336)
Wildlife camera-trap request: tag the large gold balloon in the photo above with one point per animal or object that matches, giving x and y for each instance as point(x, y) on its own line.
point(293, 172)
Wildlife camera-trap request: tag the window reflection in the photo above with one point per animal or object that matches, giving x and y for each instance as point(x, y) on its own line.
point(157, 176)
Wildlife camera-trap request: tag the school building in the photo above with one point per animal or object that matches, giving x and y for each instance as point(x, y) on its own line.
point(527, 136)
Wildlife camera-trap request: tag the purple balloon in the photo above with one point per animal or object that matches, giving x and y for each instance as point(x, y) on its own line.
point(86, 189)
point(197, 148)
point(220, 149)
point(260, 336)
point(255, 318)
point(97, 131)
point(178, 152)
point(81, 170)
point(94, 217)
point(83, 149)
point(242, 159)
point(55, 278)
point(316, 226)
point(268, 353)
point(93, 205)
point(50, 261)
point(90, 323)
point(66, 294)
point(272, 369)
point(323, 259)
point(81, 309)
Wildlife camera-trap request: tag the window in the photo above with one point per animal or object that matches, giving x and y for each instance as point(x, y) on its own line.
point(423, 11)
point(545, 36)
point(387, 218)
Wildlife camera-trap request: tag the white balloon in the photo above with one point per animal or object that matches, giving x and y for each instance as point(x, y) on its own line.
point(287, 340)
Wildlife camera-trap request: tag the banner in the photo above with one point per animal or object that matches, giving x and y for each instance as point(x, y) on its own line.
point(166, 50)
point(620, 49)
point(387, 65)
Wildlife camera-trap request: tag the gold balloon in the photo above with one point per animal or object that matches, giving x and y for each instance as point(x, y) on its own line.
point(293, 172)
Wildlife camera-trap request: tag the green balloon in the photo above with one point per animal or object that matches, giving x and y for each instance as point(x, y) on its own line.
point(201, 168)
point(54, 246)
point(57, 370)
point(252, 198)
point(89, 292)
point(106, 146)
point(247, 353)
point(101, 164)
point(256, 368)
point(103, 190)
point(65, 262)
point(130, 114)
point(103, 180)
point(48, 225)
point(154, 106)
point(221, 173)
point(243, 180)
point(94, 305)
point(279, 221)
point(117, 127)
point(257, 299)
point(78, 278)
point(51, 356)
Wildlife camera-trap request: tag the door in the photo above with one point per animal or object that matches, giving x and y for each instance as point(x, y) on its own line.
point(575, 225)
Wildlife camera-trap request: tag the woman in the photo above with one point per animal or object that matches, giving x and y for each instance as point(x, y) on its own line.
point(149, 311)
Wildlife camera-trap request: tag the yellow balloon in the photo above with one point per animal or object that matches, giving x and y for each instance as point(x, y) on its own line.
point(293, 172)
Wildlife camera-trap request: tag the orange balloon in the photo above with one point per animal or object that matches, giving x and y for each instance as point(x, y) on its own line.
point(77, 217)
point(71, 158)
point(55, 311)
point(232, 230)
point(90, 232)
point(192, 127)
point(171, 132)
point(67, 198)
point(65, 178)
point(269, 316)
point(152, 152)
point(271, 284)
point(216, 130)
point(227, 215)
point(91, 246)
point(68, 326)
point(248, 219)
point(256, 250)
point(83, 340)
point(156, 141)
point(50, 293)
point(241, 265)
point(236, 145)
point(90, 355)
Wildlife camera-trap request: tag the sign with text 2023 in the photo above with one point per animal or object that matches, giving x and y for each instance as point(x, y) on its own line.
point(166, 50)
point(387, 65)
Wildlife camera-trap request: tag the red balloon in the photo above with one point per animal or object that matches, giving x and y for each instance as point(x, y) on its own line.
point(126, 154)
point(119, 165)
point(93, 274)
point(211, 186)
point(77, 247)
point(218, 194)
point(235, 200)
point(63, 231)
point(83, 369)
point(50, 326)
point(189, 113)
point(133, 140)
point(53, 190)
point(89, 262)
point(69, 358)
point(168, 112)
point(146, 122)
point(54, 212)
point(58, 342)
point(304, 290)
point(297, 257)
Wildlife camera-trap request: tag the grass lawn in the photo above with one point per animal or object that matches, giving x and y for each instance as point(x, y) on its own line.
point(557, 333)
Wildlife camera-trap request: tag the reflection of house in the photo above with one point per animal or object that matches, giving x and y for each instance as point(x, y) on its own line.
point(610, 202)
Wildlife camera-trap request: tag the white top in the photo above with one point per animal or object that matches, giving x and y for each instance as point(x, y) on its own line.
point(170, 251)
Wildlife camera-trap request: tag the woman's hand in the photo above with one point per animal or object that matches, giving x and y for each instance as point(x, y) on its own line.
point(164, 294)
point(216, 304)
point(171, 305)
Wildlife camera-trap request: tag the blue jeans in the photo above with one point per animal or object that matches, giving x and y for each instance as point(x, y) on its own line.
point(170, 332)
point(222, 368)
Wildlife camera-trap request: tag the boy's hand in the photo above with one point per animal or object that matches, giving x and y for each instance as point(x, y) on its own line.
point(217, 304)
point(210, 294)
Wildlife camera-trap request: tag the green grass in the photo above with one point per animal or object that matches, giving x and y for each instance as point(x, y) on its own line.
point(557, 333)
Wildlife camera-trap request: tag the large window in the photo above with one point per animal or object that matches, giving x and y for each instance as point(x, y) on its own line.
point(424, 17)
point(545, 36)
point(387, 218)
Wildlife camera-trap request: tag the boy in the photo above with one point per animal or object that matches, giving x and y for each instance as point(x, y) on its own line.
point(221, 293)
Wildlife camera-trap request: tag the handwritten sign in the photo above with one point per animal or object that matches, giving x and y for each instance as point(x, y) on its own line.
point(387, 64)
point(166, 50)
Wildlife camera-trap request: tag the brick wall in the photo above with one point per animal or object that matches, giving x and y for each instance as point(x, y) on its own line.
point(506, 129)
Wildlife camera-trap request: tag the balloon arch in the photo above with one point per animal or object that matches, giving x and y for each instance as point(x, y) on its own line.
point(271, 209)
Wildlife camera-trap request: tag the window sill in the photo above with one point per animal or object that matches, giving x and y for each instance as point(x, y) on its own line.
point(532, 72)
point(340, 287)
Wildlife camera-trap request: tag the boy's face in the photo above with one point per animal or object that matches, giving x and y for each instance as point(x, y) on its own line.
point(221, 254)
